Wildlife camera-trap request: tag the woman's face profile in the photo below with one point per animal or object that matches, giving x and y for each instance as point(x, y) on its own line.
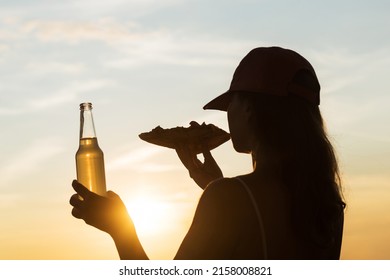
point(238, 118)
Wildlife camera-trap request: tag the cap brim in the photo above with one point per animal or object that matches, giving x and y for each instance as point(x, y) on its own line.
point(219, 103)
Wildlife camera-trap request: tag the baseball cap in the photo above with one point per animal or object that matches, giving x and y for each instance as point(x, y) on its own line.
point(271, 70)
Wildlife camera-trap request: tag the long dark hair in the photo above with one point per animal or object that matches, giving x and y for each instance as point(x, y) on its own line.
point(293, 145)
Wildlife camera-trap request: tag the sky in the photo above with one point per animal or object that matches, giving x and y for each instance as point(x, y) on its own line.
point(144, 63)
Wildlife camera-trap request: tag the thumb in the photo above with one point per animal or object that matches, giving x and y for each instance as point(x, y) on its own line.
point(207, 154)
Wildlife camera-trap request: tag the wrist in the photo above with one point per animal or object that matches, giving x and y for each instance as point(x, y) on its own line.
point(127, 243)
point(122, 229)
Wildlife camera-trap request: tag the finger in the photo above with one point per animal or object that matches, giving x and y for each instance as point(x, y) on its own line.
point(208, 157)
point(206, 152)
point(75, 201)
point(186, 157)
point(196, 163)
point(181, 154)
point(77, 213)
point(80, 189)
point(111, 194)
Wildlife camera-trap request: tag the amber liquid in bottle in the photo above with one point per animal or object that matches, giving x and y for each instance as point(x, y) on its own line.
point(90, 166)
point(89, 157)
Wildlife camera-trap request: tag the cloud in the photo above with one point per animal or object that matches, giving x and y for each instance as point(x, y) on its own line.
point(353, 86)
point(3, 48)
point(105, 29)
point(173, 47)
point(135, 42)
point(133, 157)
point(29, 159)
point(341, 67)
point(126, 43)
point(141, 160)
point(133, 8)
point(62, 96)
point(68, 94)
point(49, 67)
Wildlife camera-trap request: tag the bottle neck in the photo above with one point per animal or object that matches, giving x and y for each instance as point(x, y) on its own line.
point(87, 127)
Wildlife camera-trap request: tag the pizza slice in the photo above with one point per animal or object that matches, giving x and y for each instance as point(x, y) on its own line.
point(195, 136)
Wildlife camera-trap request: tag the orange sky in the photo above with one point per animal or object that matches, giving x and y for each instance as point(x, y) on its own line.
point(149, 63)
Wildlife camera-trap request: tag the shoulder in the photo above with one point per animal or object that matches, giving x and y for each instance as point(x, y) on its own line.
point(222, 188)
point(223, 206)
point(225, 195)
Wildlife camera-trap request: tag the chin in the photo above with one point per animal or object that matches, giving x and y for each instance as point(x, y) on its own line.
point(240, 149)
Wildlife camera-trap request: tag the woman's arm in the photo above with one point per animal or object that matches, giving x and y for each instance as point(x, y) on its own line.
point(109, 214)
point(128, 245)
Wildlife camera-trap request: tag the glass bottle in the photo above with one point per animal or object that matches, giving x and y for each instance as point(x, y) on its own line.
point(89, 157)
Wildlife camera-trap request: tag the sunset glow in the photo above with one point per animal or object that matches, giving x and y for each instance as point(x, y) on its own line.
point(149, 215)
point(149, 63)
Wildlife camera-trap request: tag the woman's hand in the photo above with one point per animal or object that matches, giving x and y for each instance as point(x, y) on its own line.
point(107, 213)
point(202, 173)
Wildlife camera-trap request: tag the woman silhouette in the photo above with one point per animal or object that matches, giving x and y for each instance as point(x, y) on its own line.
point(289, 207)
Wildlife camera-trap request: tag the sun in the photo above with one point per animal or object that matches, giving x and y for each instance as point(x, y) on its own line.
point(161, 218)
point(148, 213)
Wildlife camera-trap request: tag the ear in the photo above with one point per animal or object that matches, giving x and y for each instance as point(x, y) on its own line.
point(250, 122)
point(249, 112)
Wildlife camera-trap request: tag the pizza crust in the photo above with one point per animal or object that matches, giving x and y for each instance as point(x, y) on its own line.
point(195, 136)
